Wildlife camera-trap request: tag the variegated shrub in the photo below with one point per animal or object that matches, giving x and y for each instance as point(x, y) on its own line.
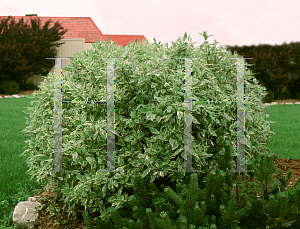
point(149, 119)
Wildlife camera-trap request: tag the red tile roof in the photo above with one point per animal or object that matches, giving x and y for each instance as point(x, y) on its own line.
point(78, 27)
point(81, 27)
point(125, 39)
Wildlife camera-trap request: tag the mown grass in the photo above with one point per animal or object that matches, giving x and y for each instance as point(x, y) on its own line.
point(285, 143)
point(16, 185)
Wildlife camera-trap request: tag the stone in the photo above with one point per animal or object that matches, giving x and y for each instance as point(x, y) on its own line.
point(25, 213)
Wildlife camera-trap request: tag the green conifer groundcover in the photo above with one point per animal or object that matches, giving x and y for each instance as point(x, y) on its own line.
point(149, 144)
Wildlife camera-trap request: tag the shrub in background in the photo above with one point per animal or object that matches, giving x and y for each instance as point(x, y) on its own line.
point(24, 46)
point(29, 86)
point(269, 97)
point(149, 120)
point(9, 87)
point(12, 87)
point(294, 87)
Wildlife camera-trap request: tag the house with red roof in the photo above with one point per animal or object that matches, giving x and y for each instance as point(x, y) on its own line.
point(82, 33)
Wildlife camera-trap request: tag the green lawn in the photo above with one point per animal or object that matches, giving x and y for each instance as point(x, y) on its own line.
point(286, 125)
point(16, 185)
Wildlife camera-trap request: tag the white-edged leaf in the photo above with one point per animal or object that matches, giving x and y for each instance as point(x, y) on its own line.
point(90, 160)
point(110, 184)
point(145, 173)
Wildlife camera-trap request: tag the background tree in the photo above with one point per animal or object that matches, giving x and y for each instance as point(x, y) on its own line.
point(11, 60)
point(23, 49)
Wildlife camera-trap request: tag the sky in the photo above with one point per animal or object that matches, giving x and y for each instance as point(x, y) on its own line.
point(231, 22)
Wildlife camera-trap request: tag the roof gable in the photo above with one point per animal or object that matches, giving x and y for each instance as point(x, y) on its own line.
point(78, 27)
point(81, 27)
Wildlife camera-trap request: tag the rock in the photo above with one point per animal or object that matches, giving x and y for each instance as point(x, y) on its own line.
point(26, 212)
